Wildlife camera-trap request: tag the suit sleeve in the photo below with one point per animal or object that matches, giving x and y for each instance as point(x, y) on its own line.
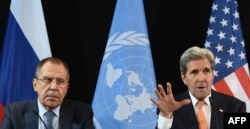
point(6, 124)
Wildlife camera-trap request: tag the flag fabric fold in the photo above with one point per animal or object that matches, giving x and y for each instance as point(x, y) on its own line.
point(126, 80)
point(225, 39)
point(26, 42)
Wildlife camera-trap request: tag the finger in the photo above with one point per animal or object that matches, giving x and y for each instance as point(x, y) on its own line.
point(169, 88)
point(154, 101)
point(185, 102)
point(158, 93)
point(161, 90)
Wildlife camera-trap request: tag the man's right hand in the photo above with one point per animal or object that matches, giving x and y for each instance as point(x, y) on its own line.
point(166, 102)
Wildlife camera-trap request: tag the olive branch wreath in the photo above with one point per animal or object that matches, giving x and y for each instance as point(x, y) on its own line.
point(117, 41)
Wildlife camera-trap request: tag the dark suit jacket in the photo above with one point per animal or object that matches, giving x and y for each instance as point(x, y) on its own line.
point(73, 115)
point(185, 117)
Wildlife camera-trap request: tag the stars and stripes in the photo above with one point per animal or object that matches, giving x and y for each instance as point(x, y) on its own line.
point(225, 40)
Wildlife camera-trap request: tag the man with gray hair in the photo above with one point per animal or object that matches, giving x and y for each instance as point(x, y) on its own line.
point(182, 111)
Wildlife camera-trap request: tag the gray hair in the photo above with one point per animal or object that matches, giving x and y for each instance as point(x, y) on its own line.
point(195, 53)
point(53, 60)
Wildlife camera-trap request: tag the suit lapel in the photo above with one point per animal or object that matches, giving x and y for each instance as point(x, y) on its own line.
point(189, 118)
point(187, 113)
point(30, 118)
point(217, 112)
point(66, 116)
point(65, 122)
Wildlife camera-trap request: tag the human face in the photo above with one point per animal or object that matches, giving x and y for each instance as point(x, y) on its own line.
point(51, 94)
point(199, 78)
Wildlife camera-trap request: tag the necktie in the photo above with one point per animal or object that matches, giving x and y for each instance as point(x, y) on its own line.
point(201, 116)
point(49, 115)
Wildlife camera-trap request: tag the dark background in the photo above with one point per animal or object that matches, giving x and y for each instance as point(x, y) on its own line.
point(78, 31)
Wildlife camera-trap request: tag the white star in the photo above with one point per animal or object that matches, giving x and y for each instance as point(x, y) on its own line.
point(212, 19)
point(221, 35)
point(215, 7)
point(235, 26)
point(231, 51)
point(226, 10)
point(219, 48)
point(236, 15)
point(207, 44)
point(235, 2)
point(229, 64)
point(217, 60)
point(233, 39)
point(216, 73)
point(242, 43)
point(210, 31)
point(224, 22)
point(242, 55)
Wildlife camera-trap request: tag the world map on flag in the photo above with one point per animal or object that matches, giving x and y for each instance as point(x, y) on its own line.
point(126, 88)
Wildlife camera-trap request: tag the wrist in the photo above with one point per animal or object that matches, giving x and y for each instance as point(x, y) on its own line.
point(167, 115)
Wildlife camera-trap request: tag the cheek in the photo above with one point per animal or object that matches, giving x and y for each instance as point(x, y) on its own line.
point(37, 88)
point(63, 91)
point(190, 81)
point(212, 78)
point(41, 90)
point(210, 82)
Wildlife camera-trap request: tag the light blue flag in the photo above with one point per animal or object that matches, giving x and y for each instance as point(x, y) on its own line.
point(126, 79)
point(26, 42)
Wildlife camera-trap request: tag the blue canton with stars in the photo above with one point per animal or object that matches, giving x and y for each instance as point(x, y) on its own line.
point(224, 38)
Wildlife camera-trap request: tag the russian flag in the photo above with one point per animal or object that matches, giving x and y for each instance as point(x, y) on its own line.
point(1, 113)
point(25, 44)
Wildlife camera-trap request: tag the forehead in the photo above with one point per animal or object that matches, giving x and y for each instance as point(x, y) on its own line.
point(198, 64)
point(53, 69)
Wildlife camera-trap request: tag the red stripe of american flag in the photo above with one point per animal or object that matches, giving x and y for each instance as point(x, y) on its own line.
point(242, 77)
point(244, 80)
point(222, 86)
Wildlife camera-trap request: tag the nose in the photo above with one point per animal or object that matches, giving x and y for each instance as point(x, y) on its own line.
point(53, 85)
point(201, 77)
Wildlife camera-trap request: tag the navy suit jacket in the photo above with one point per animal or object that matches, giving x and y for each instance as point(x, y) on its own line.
point(185, 117)
point(23, 115)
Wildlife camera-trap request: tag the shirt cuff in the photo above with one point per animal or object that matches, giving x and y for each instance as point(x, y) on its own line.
point(164, 123)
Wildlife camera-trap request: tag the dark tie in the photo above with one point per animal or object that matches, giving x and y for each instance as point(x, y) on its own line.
point(201, 116)
point(49, 115)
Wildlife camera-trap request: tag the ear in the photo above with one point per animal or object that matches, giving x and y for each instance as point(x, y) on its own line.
point(183, 77)
point(34, 82)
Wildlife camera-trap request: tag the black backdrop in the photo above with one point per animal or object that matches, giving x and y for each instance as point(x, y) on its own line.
point(78, 31)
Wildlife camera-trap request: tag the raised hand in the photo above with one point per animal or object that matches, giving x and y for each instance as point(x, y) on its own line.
point(166, 102)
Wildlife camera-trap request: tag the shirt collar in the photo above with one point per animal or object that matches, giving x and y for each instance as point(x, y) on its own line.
point(194, 100)
point(42, 110)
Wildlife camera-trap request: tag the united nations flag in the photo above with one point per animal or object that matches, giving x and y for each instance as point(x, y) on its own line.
point(126, 80)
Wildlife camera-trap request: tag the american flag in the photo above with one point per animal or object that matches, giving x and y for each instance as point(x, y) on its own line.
point(225, 40)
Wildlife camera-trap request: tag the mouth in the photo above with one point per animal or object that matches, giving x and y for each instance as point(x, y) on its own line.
point(51, 96)
point(201, 87)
